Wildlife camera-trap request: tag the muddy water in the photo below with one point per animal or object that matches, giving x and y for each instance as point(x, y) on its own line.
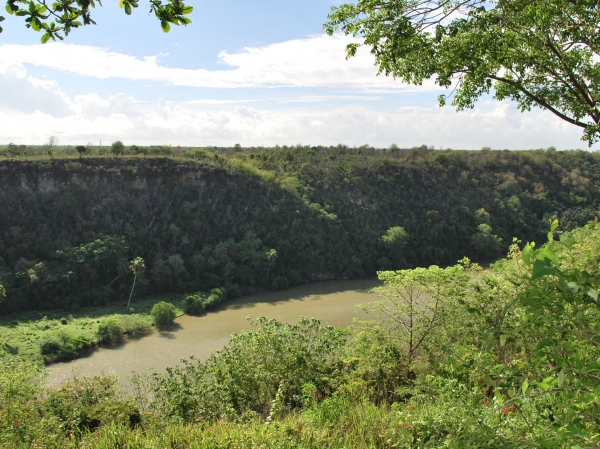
point(333, 302)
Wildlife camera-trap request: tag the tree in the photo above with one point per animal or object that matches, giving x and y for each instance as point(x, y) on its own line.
point(163, 313)
point(418, 302)
point(541, 53)
point(58, 20)
point(271, 257)
point(136, 267)
point(117, 148)
point(393, 243)
point(80, 149)
point(485, 242)
point(2, 293)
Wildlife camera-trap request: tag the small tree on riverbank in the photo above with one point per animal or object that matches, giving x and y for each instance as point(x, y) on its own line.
point(137, 266)
point(163, 313)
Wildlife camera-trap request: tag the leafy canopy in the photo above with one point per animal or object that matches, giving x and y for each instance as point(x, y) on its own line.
point(540, 53)
point(58, 19)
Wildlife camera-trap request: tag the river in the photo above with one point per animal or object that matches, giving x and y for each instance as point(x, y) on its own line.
point(333, 302)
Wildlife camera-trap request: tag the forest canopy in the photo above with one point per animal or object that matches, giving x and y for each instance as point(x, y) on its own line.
point(267, 218)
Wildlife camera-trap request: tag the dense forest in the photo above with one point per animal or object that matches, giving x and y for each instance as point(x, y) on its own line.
point(453, 357)
point(249, 219)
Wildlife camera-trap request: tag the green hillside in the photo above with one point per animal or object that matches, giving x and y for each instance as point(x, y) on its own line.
point(208, 218)
point(453, 358)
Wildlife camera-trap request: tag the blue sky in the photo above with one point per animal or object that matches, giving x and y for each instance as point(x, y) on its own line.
point(254, 73)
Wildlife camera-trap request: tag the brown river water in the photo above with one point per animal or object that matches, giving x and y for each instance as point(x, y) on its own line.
point(333, 302)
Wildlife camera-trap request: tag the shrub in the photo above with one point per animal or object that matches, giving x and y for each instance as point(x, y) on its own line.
point(63, 346)
point(135, 325)
point(279, 283)
point(110, 331)
point(246, 375)
point(294, 277)
point(193, 305)
point(49, 346)
point(112, 411)
point(163, 313)
point(76, 403)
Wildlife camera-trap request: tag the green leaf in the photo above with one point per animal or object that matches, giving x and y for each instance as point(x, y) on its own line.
point(165, 26)
point(127, 8)
point(593, 294)
point(544, 386)
point(35, 24)
point(45, 38)
point(573, 287)
point(561, 378)
point(503, 339)
point(541, 269)
point(524, 386)
point(528, 253)
point(187, 10)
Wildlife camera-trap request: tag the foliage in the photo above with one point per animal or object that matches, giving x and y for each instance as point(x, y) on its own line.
point(245, 376)
point(58, 20)
point(194, 305)
point(117, 148)
point(163, 313)
point(136, 266)
point(538, 53)
point(201, 224)
point(418, 303)
point(198, 303)
point(63, 346)
point(110, 331)
point(75, 403)
point(511, 361)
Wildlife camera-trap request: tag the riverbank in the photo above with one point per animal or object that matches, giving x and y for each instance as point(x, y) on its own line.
point(24, 334)
point(332, 302)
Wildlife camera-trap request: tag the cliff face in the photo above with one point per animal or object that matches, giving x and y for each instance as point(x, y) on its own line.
point(196, 225)
point(69, 227)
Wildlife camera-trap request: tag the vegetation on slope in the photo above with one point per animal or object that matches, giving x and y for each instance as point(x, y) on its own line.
point(254, 219)
point(507, 358)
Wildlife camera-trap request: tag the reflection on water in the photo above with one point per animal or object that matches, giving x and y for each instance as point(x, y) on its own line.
point(333, 302)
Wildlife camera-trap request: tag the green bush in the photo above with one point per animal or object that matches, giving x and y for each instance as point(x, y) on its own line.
point(135, 325)
point(49, 346)
point(110, 331)
point(113, 411)
point(280, 283)
point(294, 278)
point(270, 362)
point(163, 313)
point(193, 305)
point(63, 346)
point(76, 403)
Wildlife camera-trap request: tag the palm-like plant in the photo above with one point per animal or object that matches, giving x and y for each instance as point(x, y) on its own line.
point(121, 270)
point(271, 256)
point(136, 266)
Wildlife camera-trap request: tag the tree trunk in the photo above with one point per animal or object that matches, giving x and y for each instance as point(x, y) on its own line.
point(129, 300)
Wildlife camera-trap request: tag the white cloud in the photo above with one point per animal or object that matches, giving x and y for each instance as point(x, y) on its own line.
point(31, 110)
point(496, 125)
point(317, 61)
point(28, 94)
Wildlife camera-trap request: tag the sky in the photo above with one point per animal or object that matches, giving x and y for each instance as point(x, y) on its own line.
point(254, 73)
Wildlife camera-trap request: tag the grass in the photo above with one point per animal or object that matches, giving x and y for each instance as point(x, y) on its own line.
point(21, 332)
